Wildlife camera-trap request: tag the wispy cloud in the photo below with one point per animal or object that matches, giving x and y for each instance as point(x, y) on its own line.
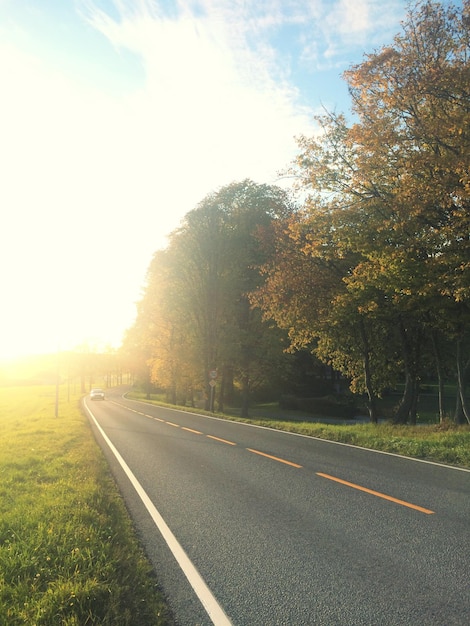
point(214, 95)
point(260, 41)
point(358, 26)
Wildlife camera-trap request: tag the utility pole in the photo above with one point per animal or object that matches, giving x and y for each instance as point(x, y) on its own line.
point(57, 388)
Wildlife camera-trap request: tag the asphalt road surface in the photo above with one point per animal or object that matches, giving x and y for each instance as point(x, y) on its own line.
point(255, 527)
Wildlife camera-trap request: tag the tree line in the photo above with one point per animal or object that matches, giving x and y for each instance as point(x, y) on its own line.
point(366, 264)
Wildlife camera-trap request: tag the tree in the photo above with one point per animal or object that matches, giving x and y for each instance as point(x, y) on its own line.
point(195, 315)
point(169, 334)
point(305, 293)
point(254, 346)
point(388, 206)
point(413, 102)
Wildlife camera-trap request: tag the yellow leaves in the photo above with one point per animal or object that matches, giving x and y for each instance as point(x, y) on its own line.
point(368, 307)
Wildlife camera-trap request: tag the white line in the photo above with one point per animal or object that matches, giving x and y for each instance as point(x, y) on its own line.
point(213, 608)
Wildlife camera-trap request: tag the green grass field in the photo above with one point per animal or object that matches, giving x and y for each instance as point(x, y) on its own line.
point(68, 553)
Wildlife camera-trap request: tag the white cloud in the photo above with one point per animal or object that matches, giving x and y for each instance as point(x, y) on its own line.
point(339, 32)
point(351, 18)
point(213, 97)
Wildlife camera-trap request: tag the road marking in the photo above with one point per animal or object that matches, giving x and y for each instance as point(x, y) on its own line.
point(311, 437)
point(191, 430)
point(377, 493)
point(173, 424)
point(274, 458)
point(230, 443)
point(202, 591)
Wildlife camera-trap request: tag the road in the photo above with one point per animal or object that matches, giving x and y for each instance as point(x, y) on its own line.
point(274, 529)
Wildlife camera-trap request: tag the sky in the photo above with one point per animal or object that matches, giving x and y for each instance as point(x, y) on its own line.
point(117, 117)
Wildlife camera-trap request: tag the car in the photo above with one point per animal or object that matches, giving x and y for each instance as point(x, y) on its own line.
point(96, 394)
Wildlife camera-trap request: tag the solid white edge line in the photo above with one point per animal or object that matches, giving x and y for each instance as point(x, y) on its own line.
point(202, 591)
point(286, 432)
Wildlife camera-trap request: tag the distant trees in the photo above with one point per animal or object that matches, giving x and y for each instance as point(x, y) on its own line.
point(195, 318)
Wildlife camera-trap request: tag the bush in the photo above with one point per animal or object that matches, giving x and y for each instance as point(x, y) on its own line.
point(331, 406)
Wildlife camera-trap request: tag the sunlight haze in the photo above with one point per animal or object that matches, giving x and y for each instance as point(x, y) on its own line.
point(118, 117)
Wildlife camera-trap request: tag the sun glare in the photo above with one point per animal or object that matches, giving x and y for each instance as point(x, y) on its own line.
point(94, 178)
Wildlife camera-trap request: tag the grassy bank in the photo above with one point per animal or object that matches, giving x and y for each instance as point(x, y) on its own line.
point(442, 443)
point(68, 554)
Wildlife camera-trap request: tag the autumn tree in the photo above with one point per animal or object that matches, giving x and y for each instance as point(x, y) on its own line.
point(195, 316)
point(388, 206)
point(169, 336)
point(304, 291)
point(413, 103)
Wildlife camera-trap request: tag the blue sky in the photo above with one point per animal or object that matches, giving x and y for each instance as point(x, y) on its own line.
point(118, 116)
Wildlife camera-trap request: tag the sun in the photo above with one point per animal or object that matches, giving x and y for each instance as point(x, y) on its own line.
point(52, 318)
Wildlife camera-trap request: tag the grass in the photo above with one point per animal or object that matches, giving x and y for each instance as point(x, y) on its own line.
point(68, 552)
point(446, 444)
point(442, 443)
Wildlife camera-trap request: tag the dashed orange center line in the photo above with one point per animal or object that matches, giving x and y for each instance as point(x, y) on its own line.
point(377, 493)
point(191, 430)
point(230, 443)
point(274, 458)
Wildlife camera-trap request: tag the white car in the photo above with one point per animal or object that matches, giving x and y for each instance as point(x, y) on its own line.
point(96, 394)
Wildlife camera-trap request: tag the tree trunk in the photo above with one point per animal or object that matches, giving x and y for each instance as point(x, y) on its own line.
point(404, 407)
point(459, 417)
point(440, 377)
point(414, 402)
point(403, 410)
point(245, 395)
point(461, 371)
point(207, 396)
point(371, 397)
point(221, 394)
point(407, 408)
point(148, 385)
